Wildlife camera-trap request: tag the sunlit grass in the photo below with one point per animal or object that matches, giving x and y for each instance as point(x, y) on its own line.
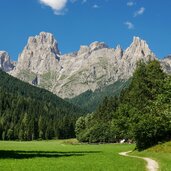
point(161, 153)
point(67, 155)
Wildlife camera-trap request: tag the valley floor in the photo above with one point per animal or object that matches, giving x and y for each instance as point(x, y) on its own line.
point(68, 155)
point(65, 156)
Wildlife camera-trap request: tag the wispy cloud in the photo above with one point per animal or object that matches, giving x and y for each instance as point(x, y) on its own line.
point(95, 6)
point(130, 3)
point(139, 12)
point(129, 25)
point(58, 6)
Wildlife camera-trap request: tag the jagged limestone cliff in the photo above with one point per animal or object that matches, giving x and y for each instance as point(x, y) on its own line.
point(92, 67)
point(5, 63)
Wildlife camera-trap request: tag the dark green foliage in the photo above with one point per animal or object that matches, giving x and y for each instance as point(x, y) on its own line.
point(28, 112)
point(90, 100)
point(141, 113)
point(151, 130)
point(95, 127)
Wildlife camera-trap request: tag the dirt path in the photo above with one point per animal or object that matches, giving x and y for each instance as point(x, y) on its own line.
point(152, 165)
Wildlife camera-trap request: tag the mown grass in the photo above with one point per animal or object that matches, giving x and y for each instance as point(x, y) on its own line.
point(161, 153)
point(65, 156)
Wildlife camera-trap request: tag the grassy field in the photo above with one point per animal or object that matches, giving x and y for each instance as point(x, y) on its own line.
point(161, 153)
point(65, 156)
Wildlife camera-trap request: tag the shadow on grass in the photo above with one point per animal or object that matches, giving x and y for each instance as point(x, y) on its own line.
point(11, 154)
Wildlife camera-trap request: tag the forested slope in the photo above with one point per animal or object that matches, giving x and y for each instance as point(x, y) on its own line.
point(90, 100)
point(28, 112)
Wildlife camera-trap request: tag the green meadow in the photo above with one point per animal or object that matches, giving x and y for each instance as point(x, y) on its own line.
point(66, 155)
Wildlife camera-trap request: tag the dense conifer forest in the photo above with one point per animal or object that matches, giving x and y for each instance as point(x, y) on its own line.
point(29, 113)
point(140, 114)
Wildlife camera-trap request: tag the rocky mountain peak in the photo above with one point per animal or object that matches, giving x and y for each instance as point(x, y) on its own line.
point(118, 47)
point(166, 64)
point(92, 47)
point(136, 39)
point(139, 49)
point(83, 49)
point(5, 63)
point(119, 52)
point(167, 57)
point(40, 55)
point(97, 45)
point(43, 40)
point(139, 43)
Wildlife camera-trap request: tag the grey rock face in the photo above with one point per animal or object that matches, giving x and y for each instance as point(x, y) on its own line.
point(97, 45)
point(5, 63)
point(91, 67)
point(166, 64)
point(138, 50)
point(40, 55)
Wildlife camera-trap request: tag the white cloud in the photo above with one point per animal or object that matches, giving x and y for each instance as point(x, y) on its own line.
point(95, 6)
point(129, 25)
point(58, 6)
point(130, 3)
point(139, 12)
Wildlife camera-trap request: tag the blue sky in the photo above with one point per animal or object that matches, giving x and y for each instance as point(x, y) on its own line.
point(80, 22)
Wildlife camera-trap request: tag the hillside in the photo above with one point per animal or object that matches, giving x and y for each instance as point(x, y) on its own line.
point(161, 153)
point(28, 112)
point(161, 148)
point(91, 100)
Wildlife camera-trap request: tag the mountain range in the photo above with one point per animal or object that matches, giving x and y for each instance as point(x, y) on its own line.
point(91, 68)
